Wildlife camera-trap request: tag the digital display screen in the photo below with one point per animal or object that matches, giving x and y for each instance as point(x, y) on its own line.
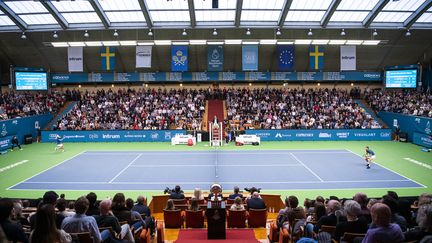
point(31, 81)
point(401, 78)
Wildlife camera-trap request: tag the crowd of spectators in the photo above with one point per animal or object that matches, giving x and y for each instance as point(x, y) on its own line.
point(296, 109)
point(136, 110)
point(16, 105)
point(405, 101)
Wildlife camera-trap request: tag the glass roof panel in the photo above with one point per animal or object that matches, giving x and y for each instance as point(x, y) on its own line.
point(72, 6)
point(348, 16)
point(26, 7)
point(405, 5)
point(392, 17)
point(304, 16)
point(215, 15)
point(31, 19)
point(311, 4)
point(357, 5)
point(223, 4)
point(170, 16)
point(81, 18)
point(126, 16)
point(425, 18)
point(268, 4)
point(167, 5)
point(5, 21)
point(119, 5)
point(260, 15)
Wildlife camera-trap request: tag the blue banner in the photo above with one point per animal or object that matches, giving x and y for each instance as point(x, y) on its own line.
point(22, 126)
point(316, 57)
point(215, 58)
point(408, 124)
point(112, 136)
point(179, 58)
point(250, 57)
point(286, 57)
point(5, 143)
point(323, 135)
point(422, 139)
point(108, 58)
point(76, 78)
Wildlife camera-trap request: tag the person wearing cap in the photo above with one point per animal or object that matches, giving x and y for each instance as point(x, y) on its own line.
point(59, 142)
point(50, 197)
point(236, 193)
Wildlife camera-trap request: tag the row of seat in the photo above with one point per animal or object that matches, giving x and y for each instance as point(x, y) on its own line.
point(253, 218)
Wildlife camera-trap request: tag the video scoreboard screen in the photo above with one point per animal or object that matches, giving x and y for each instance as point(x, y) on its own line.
point(31, 81)
point(401, 78)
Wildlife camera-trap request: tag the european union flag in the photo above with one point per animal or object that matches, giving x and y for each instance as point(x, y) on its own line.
point(179, 58)
point(316, 57)
point(286, 57)
point(108, 58)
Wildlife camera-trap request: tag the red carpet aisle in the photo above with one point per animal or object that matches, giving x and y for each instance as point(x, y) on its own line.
point(232, 236)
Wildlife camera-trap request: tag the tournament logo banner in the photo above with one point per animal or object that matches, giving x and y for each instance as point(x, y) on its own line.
point(316, 57)
point(143, 56)
point(286, 57)
point(215, 58)
point(348, 58)
point(108, 58)
point(75, 59)
point(250, 57)
point(179, 58)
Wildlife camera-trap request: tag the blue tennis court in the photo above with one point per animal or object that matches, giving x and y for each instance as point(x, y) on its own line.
point(268, 169)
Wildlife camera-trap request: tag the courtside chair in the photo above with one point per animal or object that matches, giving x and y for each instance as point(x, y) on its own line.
point(173, 218)
point(236, 219)
point(257, 218)
point(180, 201)
point(194, 219)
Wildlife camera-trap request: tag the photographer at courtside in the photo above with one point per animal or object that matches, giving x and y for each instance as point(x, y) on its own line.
point(176, 193)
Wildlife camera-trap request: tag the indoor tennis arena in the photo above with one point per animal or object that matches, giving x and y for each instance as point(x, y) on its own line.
point(193, 121)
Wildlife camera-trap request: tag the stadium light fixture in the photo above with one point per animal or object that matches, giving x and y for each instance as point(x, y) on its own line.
point(278, 32)
point(268, 42)
point(86, 34)
point(110, 43)
point(215, 32)
point(320, 42)
point(162, 42)
point(354, 42)
point(233, 42)
point(248, 32)
point(371, 42)
point(337, 42)
point(55, 35)
point(180, 43)
point(408, 33)
point(76, 43)
point(310, 32)
point(128, 43)
point(343, 32)
point(150, 33)
point(197, 42)
point(59, 44)
point(116, 34)
point(285, 42)
point(23, 36)
point(215, 43)
point(93, 43)
point(251, 42)
point(375, 33)
point(184, 33)
point(302, 42)
point(145, 43)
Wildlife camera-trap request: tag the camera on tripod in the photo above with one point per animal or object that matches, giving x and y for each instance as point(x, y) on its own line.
point(252, 189)
point(175, 190)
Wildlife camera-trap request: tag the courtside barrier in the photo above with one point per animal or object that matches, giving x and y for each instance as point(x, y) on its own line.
point(112, 135)
point(322, 135)
point(422, 139)
point(408, 124)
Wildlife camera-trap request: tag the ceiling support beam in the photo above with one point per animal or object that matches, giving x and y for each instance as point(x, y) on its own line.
point(55, 13)
point(13, 16)
point(146, 13)
point(192, 13)
point(239, 7)
point(99, 11)
point(329, 13)
point(414, 16)
point(374, 12)
point(284, 12)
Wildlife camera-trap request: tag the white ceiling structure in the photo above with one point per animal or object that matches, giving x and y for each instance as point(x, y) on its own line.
point(28, 15)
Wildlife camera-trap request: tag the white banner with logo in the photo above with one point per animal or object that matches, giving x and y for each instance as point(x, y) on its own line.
point(143, 56)
point(75, 59)
point(348, 58)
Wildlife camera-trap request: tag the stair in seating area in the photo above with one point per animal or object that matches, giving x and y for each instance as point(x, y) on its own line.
point(63, 111)
point(215, 108)
point(368, 109)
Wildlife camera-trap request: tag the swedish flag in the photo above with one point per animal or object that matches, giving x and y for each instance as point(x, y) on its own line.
point(316, 57)
point(108, 58)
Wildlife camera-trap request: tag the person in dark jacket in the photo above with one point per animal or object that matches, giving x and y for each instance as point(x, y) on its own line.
point(256, 202)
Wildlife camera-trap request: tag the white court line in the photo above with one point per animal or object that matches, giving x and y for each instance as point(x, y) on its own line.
point(174, 165)
point(221, 152)
point(306, 167)
point(389, 169)
point(205, 182)
point(115, 177)
point(76, 155)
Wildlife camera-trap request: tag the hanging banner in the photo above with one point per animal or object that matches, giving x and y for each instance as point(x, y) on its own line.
point(285, 57)
point(143, 56)
point(75, 59)
point(250, 57)
point(316, 57)
point(348, 58)
point(215, 58)
point(179, 58)
point(108, 58)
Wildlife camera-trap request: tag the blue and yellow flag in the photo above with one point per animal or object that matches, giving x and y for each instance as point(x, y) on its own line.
point(316, 57)
point(108, 58)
